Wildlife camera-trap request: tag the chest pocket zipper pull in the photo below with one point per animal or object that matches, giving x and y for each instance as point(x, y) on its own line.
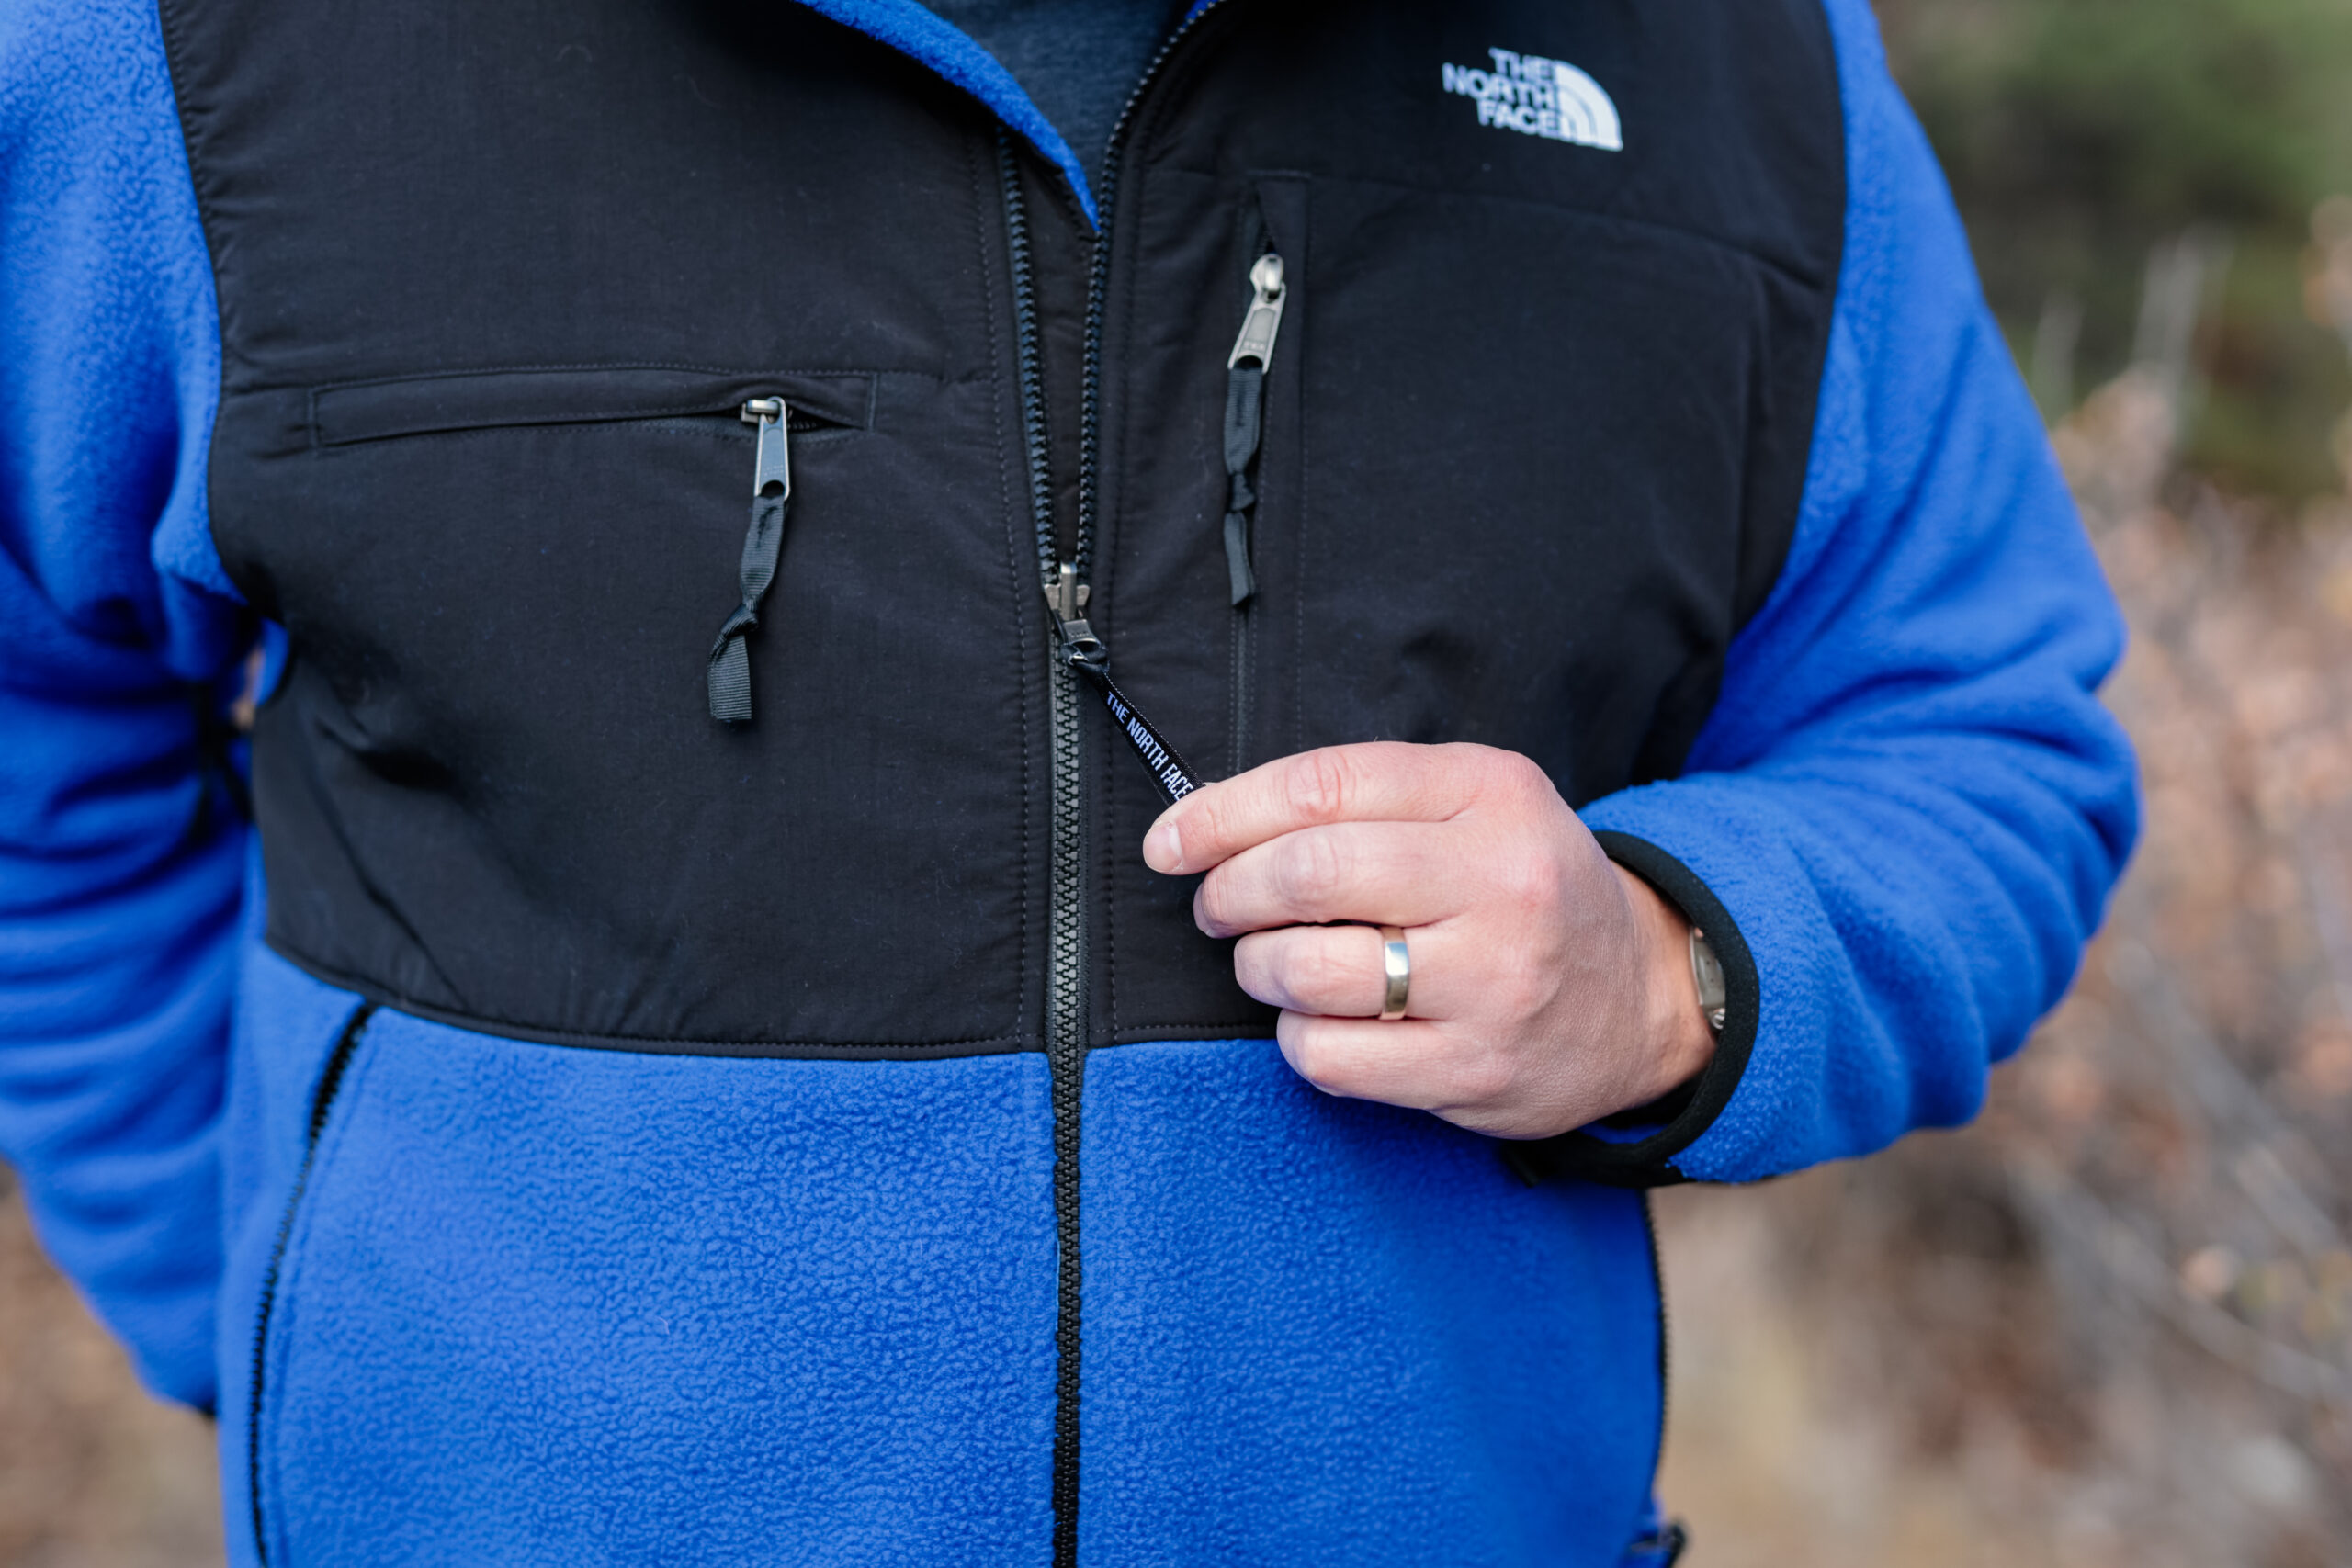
point(729, 673)
point(1245, 386)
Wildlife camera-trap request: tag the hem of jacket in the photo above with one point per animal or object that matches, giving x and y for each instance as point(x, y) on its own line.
point(1647, 1162)
point(791, 1050)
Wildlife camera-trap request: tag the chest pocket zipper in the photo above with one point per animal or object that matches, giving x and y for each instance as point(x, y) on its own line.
point(1245, 418)
point(1245, 423)
point(776, 406)
point(729, 673)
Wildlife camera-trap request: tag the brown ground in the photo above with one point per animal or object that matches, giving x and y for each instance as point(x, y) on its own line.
point(93, 1473)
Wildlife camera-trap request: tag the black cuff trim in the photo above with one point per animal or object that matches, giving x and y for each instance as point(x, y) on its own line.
point(1647, 1163)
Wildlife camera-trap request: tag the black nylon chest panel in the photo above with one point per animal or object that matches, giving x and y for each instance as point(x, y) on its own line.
point(492, 280)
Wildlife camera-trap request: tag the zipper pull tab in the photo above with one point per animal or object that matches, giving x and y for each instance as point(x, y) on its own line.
point(1066, 596)
point(1086, 653)
point(729, 675)
point(773, 466)
point(1265, 317)
point(1245, 378)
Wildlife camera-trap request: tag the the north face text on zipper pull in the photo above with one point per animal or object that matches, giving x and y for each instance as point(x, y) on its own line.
point(1085, 652)
point(1245, 385)
point(730, 672)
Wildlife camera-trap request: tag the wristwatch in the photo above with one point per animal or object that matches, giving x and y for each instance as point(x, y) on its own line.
point(1708, 971)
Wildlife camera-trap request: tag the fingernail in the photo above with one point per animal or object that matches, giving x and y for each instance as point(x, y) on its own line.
point(1163, 848)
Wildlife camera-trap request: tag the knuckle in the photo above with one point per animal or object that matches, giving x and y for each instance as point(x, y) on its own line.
point(1321, 978)
point(1532, 976)
point(1310, 870)
point(1528, 881)
point(1476, 1072)
point(1211, 824)
point(1483, 1078)
point(1318, 784)
point(1514, 774)
point(1519, 992)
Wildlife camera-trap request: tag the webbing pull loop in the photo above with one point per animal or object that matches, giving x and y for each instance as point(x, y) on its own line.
point(728, 673)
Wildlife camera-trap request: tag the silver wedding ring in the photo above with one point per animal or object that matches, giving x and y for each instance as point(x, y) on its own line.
point(1396, 965)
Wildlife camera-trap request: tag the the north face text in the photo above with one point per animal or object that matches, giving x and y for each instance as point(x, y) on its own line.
point(1536, 96)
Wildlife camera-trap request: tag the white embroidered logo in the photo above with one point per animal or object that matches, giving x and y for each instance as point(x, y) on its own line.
point(1536, 96)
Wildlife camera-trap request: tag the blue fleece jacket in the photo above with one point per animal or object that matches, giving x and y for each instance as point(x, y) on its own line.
point(594, 1306)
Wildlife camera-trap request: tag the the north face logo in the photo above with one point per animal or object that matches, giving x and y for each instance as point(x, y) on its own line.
point(1536, 96)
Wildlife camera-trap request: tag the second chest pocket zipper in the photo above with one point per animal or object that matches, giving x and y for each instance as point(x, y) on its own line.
point(1245, 418)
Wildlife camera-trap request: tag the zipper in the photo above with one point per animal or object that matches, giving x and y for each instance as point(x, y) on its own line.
point(728, 674)
point(1066, 899)
point(322, 1102)
point(359, 413)
point(1245, 417)
point(1074, 650)
point(1245, 423)
point(777, 405)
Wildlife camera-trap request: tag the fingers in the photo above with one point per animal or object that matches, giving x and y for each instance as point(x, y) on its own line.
point(1415, 1064)
point(1384, 780)
point(1404, 874)
point(1336, 971)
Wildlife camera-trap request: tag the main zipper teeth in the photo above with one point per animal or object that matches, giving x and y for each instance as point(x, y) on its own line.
point(1066, 920)
point(1065, 934)
point(1032, 369)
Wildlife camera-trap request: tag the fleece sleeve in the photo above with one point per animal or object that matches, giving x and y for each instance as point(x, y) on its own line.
point(121, 852)
point(1904, 817)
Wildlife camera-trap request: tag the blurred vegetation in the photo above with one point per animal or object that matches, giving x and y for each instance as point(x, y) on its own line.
point(2110, 1324)
point(2081, 135)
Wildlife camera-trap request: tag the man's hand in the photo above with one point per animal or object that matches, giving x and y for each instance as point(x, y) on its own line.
point(1549, 987)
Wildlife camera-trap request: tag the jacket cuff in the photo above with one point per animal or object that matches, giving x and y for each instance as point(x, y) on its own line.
point(1648, 1160)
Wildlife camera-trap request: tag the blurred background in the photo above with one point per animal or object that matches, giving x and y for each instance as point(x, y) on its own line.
point(2111, 1322)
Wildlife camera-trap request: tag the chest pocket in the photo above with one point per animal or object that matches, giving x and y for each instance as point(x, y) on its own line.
point(1532, 435)
point(1517, 462)
point(493, 788)
point(642, 400)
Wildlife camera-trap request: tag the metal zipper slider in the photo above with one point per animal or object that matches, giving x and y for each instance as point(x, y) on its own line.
point(772, 472)
point(1066, 596)
point(1265, 317)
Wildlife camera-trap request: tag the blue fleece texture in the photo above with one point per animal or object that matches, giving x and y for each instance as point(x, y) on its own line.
point(907, 26)
point(542, 1306)
point(1330, 1331)
point(118, 897)
point(1908, 797)
point(578, 1306)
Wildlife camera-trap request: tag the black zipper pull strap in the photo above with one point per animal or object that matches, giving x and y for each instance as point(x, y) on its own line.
point(1244, 386)
point(1170, 771)
point(1087, 653)
point(729, 674)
